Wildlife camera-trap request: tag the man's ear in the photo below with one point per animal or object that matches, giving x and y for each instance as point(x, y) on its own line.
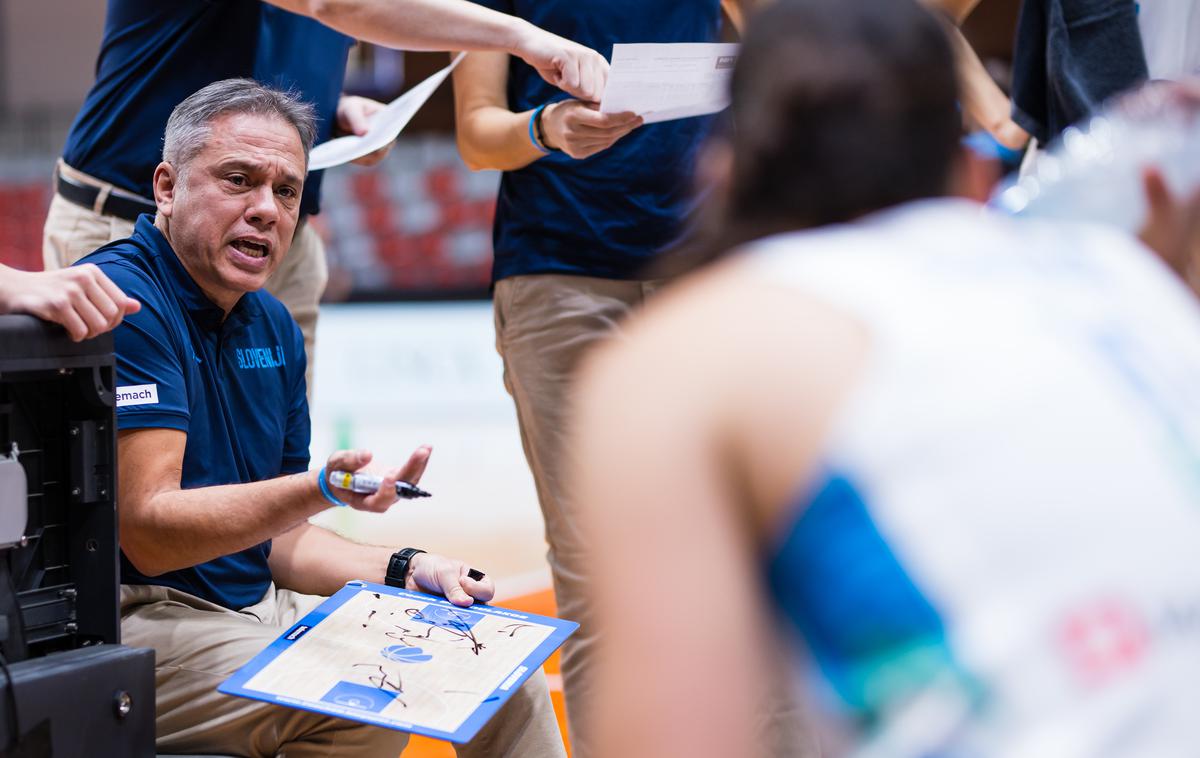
point(974, 176)
point(166, 182)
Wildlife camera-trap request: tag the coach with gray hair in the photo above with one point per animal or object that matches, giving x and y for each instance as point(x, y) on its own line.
point(217, 555)
point(154, 54)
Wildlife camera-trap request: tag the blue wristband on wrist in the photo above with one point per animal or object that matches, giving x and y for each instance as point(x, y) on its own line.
point(326, 491)
point(533, 119)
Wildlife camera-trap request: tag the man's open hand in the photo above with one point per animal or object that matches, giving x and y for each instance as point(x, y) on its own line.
point(382, 499)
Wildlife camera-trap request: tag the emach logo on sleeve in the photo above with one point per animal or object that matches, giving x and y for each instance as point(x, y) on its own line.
point(137, 394)
point(260, 357)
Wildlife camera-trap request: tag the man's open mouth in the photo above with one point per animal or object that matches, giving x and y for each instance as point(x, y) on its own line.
point(252, 249)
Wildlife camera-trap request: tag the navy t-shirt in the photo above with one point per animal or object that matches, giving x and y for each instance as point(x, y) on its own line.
point(234, 385)
point(155, 53)
point(606, 215)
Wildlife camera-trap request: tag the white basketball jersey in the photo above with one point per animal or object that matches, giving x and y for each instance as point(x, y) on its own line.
point(1003, 557)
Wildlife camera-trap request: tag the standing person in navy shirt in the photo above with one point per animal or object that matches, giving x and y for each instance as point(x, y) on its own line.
point(154, 54)
point(217, 555)
point(584, 207)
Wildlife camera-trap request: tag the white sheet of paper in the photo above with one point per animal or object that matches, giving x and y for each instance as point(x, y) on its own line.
point(386, 125)
point(661, 82)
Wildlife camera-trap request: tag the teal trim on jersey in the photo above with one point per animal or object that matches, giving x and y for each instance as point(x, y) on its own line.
point(875, 636)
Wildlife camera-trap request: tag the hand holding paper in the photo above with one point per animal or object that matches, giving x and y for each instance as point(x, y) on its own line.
point(354, 116)
point(386, 125)
point(580, 130)
point(662, 82)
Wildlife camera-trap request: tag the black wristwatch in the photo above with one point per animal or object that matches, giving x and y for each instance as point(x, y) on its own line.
point(397, 570)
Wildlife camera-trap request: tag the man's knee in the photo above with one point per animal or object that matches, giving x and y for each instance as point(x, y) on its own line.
point(302, 734)
point(525, 726)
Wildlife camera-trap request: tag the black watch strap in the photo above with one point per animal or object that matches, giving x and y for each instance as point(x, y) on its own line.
point(397, 570)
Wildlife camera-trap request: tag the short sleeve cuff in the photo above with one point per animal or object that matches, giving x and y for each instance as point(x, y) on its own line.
point(155, 420)
point(294, 465)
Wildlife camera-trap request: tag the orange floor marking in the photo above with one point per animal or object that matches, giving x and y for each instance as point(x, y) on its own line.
point(541, 603)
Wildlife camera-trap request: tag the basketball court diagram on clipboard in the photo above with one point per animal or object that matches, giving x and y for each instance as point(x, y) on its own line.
point(403, 660)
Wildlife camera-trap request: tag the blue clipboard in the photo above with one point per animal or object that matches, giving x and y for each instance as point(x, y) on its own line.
point(430, 630)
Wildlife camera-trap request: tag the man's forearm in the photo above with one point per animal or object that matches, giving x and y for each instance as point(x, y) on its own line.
point(179, 528)
point(418, 24)
point(316, 561)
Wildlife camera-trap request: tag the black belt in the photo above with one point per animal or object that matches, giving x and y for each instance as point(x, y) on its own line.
point(115, 205)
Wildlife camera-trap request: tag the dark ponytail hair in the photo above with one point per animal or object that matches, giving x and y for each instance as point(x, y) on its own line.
point(840, 108)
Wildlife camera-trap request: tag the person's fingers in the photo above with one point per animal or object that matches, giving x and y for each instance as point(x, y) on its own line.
point(354, 118)
point(631, 126)
point(591, 147)
point(348, 460)
point(384, 497)
point(91, 315)
point(588, 118)
point(599, 75)
point(375, 158)
point(126, 304)
point(586, 150)
point(581, 142)
point(64, 314)
point(412, 471)
point(597, 134)
point(568, 68)
point(592, 76)
point(448, 580)
point(101, 299)
point(476, 584)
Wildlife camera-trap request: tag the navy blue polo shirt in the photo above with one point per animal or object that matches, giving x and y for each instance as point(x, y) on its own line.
point(155, 53)
point(234, 385)
point(608, 214)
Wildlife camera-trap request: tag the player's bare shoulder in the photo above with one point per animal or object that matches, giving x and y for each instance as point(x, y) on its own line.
point(757, 365)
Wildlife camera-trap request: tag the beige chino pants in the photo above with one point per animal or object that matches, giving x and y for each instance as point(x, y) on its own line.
point(72, 232)
point(199, 644)
point(545, 324)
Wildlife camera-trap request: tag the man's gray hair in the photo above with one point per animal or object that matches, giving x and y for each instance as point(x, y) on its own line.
point(190, 123)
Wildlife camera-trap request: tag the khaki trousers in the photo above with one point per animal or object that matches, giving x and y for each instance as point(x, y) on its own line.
point(198, 644)
point(72, 232)
point(544, 324)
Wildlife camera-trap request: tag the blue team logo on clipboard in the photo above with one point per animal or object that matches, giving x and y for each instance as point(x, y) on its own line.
point(359, 697)
point(447, 617)
point(405, 654)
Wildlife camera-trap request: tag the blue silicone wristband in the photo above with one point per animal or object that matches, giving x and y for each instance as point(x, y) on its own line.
point(326, 492)
point(533, 117)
